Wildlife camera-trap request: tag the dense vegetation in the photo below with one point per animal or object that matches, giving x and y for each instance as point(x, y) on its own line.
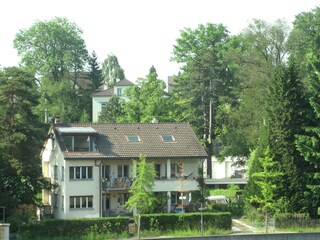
point(254, 96)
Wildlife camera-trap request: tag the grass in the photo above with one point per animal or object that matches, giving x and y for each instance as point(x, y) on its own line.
point(155, 233)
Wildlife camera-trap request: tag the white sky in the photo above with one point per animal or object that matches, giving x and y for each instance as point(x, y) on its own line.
point(141, 33)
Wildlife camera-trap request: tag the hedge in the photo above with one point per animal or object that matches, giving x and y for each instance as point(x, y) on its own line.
point(74, 227)
point(170, 222)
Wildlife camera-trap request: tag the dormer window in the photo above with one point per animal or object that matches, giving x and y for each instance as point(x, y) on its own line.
point(79, 143)
point(78, 139)
point(167, 138)
point(133, 138)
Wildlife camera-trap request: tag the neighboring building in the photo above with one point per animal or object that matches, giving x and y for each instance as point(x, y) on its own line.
point(92, 165)
point(100, 98)
point(225, 173)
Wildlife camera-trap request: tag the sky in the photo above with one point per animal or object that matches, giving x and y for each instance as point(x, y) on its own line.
point(141, 33)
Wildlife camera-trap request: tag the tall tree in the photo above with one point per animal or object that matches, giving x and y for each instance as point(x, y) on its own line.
point(112, 71)
point(141, 198)
point(52, 48)
point(56, 52)
point(264, 46)
point(206, 80)
point(285, 119)
point(113, 111)
point(147, 100)
point(95, 72)
point(21, 139)
point(306, 28)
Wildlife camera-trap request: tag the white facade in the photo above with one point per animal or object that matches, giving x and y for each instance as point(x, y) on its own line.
point(101, 192)
point(100, 99)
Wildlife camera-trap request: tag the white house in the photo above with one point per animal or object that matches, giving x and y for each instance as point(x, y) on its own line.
point(100, 98)
point(91, 165)
point(226, 172)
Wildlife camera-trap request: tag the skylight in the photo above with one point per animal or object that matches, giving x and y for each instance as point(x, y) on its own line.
point(167, 138)
point(133, 138)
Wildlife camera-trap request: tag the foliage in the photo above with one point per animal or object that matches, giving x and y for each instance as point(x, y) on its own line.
point(22, 215)
point(166, 222)
point(113, 111)
point(112, 71)
point(206, 80)
point(22, 136)
point(52, 47)
point(265, 180)
point(141, 198)
point(95, 72)
point(305, 26)
point(74, 227)
point(263, 47)
point(146, 100)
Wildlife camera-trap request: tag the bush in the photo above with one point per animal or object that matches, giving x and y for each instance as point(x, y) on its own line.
point(74, 227)
point(289, 220)
point(22, 215)
point(172, 222)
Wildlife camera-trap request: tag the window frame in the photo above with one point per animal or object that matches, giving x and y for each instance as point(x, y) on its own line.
point(133, 138)
point(77, 172)
point(81, 202)
point(167, 138)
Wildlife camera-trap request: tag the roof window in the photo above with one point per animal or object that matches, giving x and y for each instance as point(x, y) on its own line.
point(133, 138)
point(167, 138)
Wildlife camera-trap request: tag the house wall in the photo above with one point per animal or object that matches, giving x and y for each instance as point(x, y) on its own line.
point(224, 169)
point(96, 106)
point(59, 198)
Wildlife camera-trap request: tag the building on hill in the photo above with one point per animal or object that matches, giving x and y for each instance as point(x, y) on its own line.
point(91, 166)
point(101, 98)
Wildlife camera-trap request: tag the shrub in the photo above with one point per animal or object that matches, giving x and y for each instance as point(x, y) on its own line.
point(172, 222)
point(74, 227)
point(22, 215)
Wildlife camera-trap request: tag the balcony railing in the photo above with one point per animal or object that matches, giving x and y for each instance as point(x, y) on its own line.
point(116, 184)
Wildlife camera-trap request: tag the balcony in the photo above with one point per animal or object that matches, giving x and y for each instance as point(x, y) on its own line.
point(116, 185)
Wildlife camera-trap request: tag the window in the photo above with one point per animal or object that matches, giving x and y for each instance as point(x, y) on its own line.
point(174, 197)
point(62, 173)
point(105, 171)
point(80, 173)
point(157, 168)
point(167, 138)
point(133, 138)
point(82, 143)
point(119, 91)
point(81, 202)
point(103, 106)
point(55, 172)
point(62, 202)
point(123, 171)
point(175, 170)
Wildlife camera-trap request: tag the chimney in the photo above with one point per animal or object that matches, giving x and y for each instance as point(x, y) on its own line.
point(57, 120)
point(154, 120)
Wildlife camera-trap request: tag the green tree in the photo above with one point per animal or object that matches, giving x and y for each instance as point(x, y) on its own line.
point(285, 107)
point(55, 51)
point(142, 198)
point(52, 48)
point(95, 72)
point(113, 111)
point(265, 181)
point(22, 137)
point(264, 46)
point(112, 71)
point(306, 26)
point(147, 100)
point(206, 80)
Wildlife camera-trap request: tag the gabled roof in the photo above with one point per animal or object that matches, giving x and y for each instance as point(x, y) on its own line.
point(110, 91)
point(124, 82)
point(104, 93)
point(112, 141)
